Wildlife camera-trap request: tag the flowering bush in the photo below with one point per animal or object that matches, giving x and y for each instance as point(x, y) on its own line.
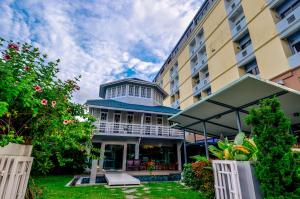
point(36, 108)
point(199, 175)
point(150, 166)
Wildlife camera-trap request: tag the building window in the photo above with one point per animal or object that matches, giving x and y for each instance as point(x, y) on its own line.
point(137, 91)
point(148, 92)
point(123, 90)
point(103, 116)
point(118, 91)
point(108, 93)
point(143, 91)
point(131, 90)
point(113, 92)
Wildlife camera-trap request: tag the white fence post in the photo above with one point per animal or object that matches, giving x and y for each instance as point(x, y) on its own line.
point(15, 166)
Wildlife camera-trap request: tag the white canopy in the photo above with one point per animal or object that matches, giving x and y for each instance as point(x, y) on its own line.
point(219, 110)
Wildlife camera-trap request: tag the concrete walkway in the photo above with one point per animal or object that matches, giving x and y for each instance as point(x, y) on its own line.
point(114, 179)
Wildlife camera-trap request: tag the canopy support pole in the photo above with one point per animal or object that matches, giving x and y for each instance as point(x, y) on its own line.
point(205, 140)
point(184, 147)
point(195, 139)
point(238, 121)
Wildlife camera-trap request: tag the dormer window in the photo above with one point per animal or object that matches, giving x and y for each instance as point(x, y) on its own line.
point(113, 90)
point(130, 90)
point(123, 90)
point(136, 91)
point(143, 91)
point(148, 92)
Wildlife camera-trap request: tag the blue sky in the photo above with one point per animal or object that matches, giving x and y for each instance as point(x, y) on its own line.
point(102, 40)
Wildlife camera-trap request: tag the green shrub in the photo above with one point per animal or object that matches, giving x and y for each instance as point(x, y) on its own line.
point(276, 166)
point(203, 172)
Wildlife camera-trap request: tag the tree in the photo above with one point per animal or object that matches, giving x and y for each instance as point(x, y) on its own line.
point(275, 168)
point(36, 108)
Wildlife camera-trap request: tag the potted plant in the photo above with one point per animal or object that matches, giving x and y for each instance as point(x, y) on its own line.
point(235, 159)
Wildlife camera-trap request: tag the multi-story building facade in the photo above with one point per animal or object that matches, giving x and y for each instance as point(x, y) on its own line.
point(132, 127)
point(229, 38)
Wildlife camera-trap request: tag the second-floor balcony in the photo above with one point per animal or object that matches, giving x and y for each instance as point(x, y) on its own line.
point(199, 65)
point(245, 56)
point(175, 104)
point(136, 130)
point(290, 23)
point(200, 86)
point(239, 30)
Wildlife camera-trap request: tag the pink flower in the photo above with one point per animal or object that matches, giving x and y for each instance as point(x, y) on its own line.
point(26, 68)
point(53, 103)
point(44, 102)
point(37, 88)
point(13, 46)
point(66, 122)
point(6, 57)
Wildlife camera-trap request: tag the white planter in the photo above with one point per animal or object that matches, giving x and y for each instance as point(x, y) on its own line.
point(235, 180)
point(15, 166)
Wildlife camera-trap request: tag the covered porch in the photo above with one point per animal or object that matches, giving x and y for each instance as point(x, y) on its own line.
point(127, 154)
point(222, 113)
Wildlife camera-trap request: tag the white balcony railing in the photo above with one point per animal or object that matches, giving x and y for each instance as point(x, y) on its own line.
point(245, 56)
point(175, 104)
point(238, 30)
point(126, 129)
point(289, 23)
point(200, 86)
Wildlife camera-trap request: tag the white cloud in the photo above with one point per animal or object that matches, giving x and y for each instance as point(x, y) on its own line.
point(101, 39)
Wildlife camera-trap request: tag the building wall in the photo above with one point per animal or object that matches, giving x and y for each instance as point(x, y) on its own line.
point(271, 51)
point(290, 78)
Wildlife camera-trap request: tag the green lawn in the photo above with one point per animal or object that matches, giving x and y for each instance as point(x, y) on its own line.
point(54, 187)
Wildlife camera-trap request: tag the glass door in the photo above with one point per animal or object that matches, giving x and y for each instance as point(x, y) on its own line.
point(129, 123)
point(113, 157)
point(117, 120)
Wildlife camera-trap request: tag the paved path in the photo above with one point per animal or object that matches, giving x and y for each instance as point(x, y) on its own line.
point(121, 179)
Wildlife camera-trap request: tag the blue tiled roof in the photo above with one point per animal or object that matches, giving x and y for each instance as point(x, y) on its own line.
point(109, 103)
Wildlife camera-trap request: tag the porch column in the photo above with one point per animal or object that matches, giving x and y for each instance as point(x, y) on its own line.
point(205, 140)
point(124, 157)
point(137, 151)
point(179, 156)
point(184, 148)
point(93, 171)
point(102, 156)
point(238, 121)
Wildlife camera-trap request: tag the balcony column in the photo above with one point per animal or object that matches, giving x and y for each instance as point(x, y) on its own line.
point(137, 151)
point(179, 156)
point(102, 151)
point(142, 123)
point(238, 121)
point(93, 172)
point(205, 140)
point(184, 148)
point(124, 157)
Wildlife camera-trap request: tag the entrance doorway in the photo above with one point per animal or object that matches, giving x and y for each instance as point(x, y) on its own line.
point(113, 157)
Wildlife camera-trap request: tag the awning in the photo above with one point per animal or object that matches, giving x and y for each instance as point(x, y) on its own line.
point(220, 111)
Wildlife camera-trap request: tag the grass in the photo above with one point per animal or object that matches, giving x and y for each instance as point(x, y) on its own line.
point(54, 187)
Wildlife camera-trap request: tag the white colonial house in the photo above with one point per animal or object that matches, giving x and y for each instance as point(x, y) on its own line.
point(132, 128)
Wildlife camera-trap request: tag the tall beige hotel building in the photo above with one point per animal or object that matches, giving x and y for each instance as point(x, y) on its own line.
point(228, 39)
